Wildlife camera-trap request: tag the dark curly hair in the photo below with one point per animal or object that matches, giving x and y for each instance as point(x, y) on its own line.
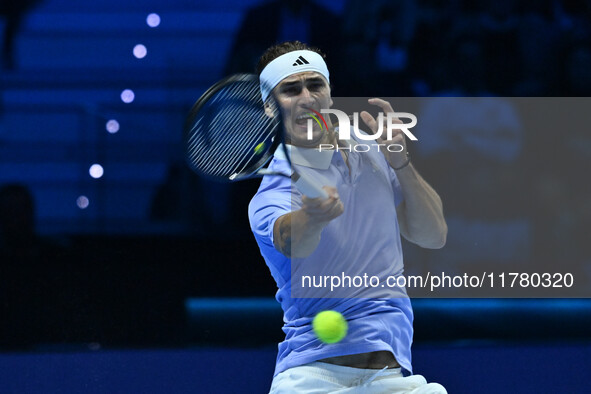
point(277, 50)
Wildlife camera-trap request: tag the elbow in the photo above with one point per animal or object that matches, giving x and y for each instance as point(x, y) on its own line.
point(440, 238)
point(437, 239)
point(433, 244)
point(439, 242)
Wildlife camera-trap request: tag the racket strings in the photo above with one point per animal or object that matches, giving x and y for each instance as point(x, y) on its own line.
point(233, 151)
point(236, 152)
point(228, 130)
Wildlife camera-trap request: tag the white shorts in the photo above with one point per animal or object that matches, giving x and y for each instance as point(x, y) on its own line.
point(322, 378)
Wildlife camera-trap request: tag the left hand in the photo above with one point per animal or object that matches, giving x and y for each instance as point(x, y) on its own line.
point(398, 157)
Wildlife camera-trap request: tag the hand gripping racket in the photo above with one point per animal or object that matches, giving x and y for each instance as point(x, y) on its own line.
point(230, 135)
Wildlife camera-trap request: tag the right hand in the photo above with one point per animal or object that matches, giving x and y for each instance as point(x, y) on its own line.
point(322, 210)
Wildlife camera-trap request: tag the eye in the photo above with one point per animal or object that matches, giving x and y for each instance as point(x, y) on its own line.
point(291, 90)
point(315, 86)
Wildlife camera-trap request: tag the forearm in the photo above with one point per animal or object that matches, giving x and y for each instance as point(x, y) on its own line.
point(296, 234)
point(421, 217)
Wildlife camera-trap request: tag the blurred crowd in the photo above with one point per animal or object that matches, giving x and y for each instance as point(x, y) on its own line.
point(431, 47)
point(13, 13)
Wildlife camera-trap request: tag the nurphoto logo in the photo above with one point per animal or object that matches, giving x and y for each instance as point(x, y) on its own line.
point(393, 122)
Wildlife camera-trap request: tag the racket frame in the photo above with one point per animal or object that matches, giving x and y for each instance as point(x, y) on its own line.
point(309, 187)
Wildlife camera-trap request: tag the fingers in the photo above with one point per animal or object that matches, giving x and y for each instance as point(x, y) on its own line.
point(322, 210)
point(397, 139)
point(383, 104)
point(386, 108)
point(319, 204)
point(369, 121)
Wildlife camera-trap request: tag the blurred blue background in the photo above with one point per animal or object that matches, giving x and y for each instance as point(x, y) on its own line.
point(109, 243)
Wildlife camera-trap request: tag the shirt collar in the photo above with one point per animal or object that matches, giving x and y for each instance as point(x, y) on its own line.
point(310, 157)
point(307, 157)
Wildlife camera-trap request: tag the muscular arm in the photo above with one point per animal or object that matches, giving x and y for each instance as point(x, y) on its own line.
point(420, 215)
point(297, 234)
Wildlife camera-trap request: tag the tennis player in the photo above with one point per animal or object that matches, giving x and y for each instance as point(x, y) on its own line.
point(374, 198)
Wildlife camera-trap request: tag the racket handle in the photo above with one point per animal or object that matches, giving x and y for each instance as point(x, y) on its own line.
point(310, 187)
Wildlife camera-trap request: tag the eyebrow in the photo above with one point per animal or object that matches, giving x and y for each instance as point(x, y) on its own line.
point(293, 83)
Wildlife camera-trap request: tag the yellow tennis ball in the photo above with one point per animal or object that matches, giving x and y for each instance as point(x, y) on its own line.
point(259, 148)
point(330, 326)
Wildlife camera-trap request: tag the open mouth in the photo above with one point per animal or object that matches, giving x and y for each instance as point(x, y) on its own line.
point(303, 118)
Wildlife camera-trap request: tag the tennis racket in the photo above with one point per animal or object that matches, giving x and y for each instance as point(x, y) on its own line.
point(231, 135)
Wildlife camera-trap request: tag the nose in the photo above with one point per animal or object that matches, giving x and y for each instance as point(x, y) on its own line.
point(305, 96)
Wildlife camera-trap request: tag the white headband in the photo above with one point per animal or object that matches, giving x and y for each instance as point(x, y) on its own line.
point(288, 64)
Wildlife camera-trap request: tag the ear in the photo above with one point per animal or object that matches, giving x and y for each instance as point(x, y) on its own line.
point(270, 108)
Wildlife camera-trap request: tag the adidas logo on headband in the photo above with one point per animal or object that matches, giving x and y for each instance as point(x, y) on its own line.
point(300, 61)
point(288, 64)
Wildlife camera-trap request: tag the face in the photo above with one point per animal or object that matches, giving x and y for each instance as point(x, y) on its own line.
point(296, 96)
